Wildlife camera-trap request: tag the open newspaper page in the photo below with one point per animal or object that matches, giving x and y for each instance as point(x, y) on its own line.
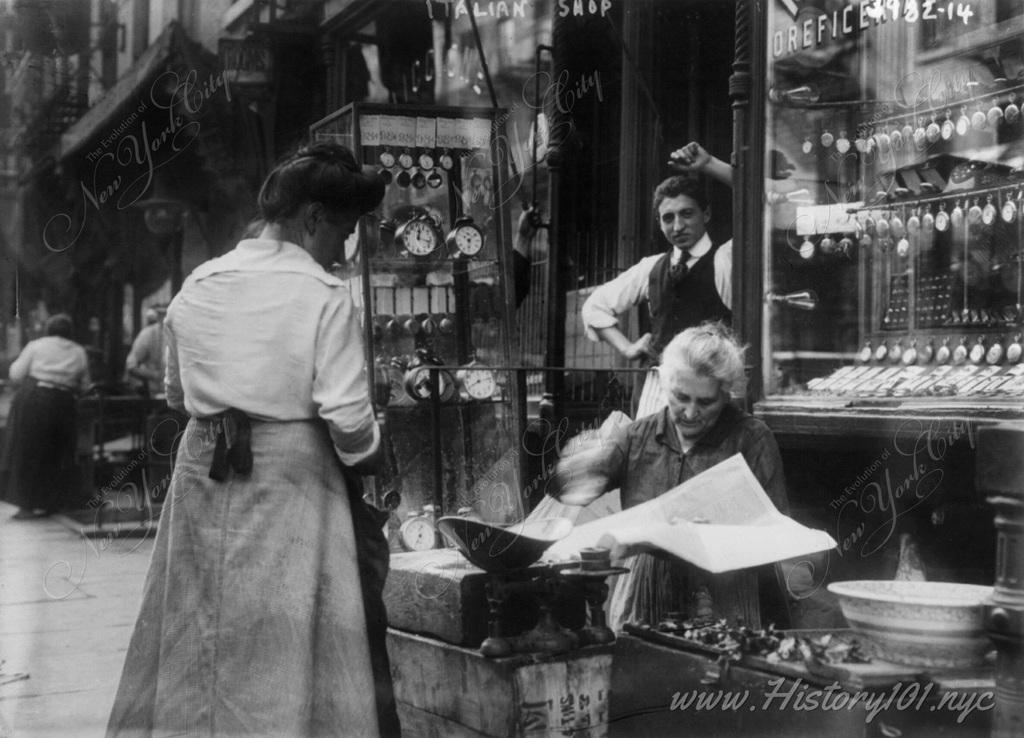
point(720, 520)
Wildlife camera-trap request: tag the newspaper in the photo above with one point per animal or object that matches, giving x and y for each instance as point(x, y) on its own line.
point(720, 520)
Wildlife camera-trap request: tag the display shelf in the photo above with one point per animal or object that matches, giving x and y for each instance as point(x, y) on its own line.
point(435, 294)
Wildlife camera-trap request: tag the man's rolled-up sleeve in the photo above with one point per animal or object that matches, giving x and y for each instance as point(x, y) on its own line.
point(615, 297)
point(340, 388)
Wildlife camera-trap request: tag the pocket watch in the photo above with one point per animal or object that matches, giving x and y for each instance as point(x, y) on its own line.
point(418, 532)
point(995, 352)
point(1012, 111)
point(1009, 210)
point(864, 355)
point(1013, 351)
point(426, 161)
point(417, 378)
point(988, 213)
point(479, 384)
point(386, 159)
point(465, 238)
point(419, 235)
point(960, 352)
point(882, 351)
point(948, 126)
point(446, 160)
point(405, 160)
point(910, 355)
point(896, 352)
point(943, 353)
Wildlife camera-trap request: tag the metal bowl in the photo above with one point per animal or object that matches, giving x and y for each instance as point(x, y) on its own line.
point(933, 624)
point(502, 549)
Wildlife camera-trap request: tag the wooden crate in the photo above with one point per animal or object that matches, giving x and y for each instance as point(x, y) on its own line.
point(445, 690)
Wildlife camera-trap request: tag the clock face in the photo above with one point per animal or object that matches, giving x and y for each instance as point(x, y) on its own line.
point(447, 162)
point(418, 534)
point(469, 240)
point(387, 159)
point(419, 238)
point(479, 383)
point(426, 161)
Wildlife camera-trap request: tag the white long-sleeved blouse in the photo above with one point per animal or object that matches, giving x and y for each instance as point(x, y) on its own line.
point(264, 329)
point(52, 359)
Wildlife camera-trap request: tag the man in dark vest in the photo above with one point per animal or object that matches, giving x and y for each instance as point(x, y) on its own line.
point(683, 286)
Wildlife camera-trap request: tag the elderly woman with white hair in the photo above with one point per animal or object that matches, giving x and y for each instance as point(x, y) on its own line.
point(699, 428)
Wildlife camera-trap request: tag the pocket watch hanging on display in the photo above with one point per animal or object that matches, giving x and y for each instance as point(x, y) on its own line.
point(882, 352)
point(465, 238)
point(988, 213)
point(419, 235)
point(927, 352)
point(405, 160)
point(956, 218)
point(479, 384)
point(896, 138)
point(896, 352)
point(979, 119)
point(963, 123)
point(995, 352)
point(974, 213)
point(960, 352)
point(842, 143)
point(807, 248)
point(910, 355)
point(386, 159)
point(948, 126)
point(994, 115)
point(1013, 351)
point(943, 354)
point(914, 223)
point(1009, 210)
point(864, 356)
point(1012, 111)
point(418, 532)
point(446, 161)
point(942, 219)
point(978, 351)
point(426, 161)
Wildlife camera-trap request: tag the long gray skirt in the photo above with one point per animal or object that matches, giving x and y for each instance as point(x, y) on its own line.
point(252, 618)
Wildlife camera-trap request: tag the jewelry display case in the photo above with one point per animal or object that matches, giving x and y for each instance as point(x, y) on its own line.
point(432, 276)
point(894, 189)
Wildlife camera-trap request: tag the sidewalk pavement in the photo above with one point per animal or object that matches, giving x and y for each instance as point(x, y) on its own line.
point(67, 607)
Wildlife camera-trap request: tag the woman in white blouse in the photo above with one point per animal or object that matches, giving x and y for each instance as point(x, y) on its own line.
point(39, 441)
point(253, 620)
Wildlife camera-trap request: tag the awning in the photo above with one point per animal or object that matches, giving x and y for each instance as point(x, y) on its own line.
point(118, 102)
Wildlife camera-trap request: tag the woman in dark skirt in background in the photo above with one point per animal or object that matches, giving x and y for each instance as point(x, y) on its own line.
point(39, 443)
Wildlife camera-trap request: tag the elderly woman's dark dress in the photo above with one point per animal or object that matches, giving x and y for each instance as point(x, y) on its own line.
point(645, 461)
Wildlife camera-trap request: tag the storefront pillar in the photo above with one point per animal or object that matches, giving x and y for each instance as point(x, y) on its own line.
point(748, 185)
point(1001, 475)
